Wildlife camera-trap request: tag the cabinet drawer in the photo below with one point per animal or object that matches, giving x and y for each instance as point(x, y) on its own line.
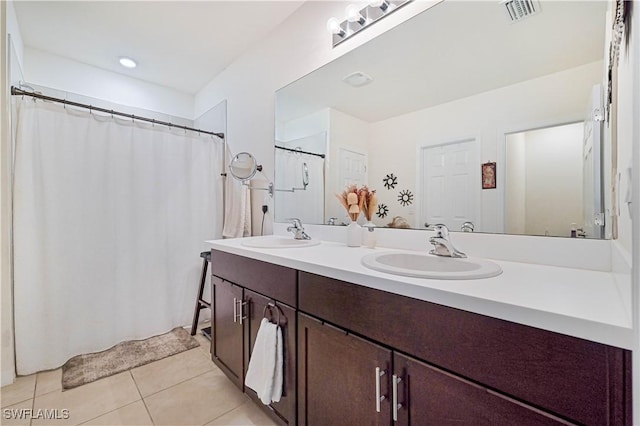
point(275, 281)
point(575, 378)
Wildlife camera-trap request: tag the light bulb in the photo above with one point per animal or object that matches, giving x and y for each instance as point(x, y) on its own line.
point(128, 62)
point(333, 26)
point(353, 14)
point(382, 4)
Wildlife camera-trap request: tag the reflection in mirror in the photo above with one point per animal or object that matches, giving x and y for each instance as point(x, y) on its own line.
point(243, 166)
point(300, 179)
point(449, 88)
point(546, 172)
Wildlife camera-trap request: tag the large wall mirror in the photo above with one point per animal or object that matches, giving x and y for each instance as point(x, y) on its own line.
point(457, 115)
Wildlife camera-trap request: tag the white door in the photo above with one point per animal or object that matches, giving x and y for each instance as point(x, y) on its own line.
point(353, 168)
point(450, 183)
point(591, 166)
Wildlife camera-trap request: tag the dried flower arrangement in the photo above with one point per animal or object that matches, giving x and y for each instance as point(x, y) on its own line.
point(356, 200)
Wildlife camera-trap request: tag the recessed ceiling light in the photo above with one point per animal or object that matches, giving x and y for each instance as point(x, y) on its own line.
point(128, 62)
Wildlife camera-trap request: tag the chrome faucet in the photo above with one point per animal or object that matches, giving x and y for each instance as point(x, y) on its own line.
point(332, 221)
point(442, 246)
point(297, 229)
point(467, 227)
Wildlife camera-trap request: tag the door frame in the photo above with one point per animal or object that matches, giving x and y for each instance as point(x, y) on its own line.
point(421, 147)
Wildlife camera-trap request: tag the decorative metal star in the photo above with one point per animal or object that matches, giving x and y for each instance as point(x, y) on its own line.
point(383, 210)
point(405, 197)
point(390, 181)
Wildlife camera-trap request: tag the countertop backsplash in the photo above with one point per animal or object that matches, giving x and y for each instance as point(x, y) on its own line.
point(596, 255)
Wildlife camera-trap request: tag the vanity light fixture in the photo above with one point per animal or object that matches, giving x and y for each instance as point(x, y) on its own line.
point(358, 19)
point(128, 62)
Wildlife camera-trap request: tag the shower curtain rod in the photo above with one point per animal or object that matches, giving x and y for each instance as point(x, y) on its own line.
point(19, 92)
point(300, 151)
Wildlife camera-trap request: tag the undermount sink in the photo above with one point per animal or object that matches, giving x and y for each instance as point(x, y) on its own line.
point(421, 265)
point(275, 242)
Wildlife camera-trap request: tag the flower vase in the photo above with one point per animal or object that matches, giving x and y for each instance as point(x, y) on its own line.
point(354, 234)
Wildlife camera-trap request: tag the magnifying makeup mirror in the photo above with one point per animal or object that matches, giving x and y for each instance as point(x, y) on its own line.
point(305, 175)
point(244, 167)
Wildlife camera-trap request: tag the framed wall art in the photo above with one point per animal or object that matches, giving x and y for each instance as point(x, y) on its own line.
point(489, 176)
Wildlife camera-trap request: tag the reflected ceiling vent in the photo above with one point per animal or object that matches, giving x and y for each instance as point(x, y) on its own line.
point(357, 79)
point(517, 10)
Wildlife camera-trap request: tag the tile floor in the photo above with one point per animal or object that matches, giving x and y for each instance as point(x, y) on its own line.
point(184, 389)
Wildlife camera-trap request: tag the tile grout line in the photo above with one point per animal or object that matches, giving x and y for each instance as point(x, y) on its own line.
point(176, 384)
point(33, 401)
point(108, 412)
point(225, 413)
point(142, 398)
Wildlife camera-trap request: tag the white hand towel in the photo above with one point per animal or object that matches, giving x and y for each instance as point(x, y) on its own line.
point(264, 374)
point(237, 207)
point(278, 375)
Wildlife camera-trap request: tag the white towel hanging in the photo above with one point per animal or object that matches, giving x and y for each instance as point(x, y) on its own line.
point(265, 371)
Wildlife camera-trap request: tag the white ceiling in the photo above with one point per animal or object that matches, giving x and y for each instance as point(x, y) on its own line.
point(178, 44)
point(453, 50)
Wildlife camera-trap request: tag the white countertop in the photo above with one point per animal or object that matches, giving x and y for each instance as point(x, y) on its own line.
point(582, 303)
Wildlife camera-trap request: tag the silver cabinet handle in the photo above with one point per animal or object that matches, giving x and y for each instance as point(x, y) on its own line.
point(379, 398)
point(395, 380)
point(241, 304)
point(235, 310)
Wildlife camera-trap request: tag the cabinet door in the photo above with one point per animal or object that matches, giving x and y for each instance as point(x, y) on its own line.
point(227, 329)
point(430, 396)
point(256, 303)
point(337, 380)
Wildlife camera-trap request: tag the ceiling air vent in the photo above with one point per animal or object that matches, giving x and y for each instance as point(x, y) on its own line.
point(517, 10)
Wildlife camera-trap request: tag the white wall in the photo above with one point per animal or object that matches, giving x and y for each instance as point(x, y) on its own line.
point(487, 117)
point(301, 127)
point(515, 184)
point(554, 180)
point(296, 47)
point(44, 69)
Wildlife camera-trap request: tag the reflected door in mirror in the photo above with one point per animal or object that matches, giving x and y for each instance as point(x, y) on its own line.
point(451, 185)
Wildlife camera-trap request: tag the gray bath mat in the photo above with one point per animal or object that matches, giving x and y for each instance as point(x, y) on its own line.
point(83, 369)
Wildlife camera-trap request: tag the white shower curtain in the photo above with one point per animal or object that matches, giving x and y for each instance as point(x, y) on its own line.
point(110, 219)
point(306, 205)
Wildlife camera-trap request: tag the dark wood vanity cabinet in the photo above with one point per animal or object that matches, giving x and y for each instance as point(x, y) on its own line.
point(357, 355)
point(346, 379)
point(426, 395)
point(241, 289)
point(340, 377)
point(257, 306)
point(227, 329)
point(466, 363)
